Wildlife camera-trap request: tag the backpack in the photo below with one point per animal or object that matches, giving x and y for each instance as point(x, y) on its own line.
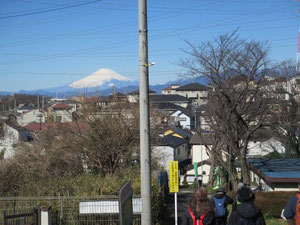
point(244, 221)
point(198, 221)
point(297, 216)
point(220, 207)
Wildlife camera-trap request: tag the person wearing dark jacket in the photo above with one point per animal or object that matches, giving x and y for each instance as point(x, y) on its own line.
point(236, 201)
point(290, 209)
point(246, 212)
point(200, 208)
point(221, 212)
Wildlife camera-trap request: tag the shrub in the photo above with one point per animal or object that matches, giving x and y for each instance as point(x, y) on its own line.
point(272, 203)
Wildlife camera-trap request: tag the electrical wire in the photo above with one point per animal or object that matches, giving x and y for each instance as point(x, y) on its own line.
point(48, 10)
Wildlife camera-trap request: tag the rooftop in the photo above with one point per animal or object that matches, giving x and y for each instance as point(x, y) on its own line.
point(192, 87)
point(202, 139)
point(181, 132)
point(168, 98)
point(277, 170)
point(62, 106)
point(137, 92)
point(171, 141)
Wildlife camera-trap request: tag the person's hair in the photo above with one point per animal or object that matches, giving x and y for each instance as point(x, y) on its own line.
point(200, 202)
point(245, 194)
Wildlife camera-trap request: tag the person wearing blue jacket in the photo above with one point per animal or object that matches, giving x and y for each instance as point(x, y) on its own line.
point(221, 201)
point(290, 210)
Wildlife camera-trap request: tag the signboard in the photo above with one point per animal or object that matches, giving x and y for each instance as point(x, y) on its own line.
point(173, 177)
point(125, 204)
point(195, 169)
point(107, 206)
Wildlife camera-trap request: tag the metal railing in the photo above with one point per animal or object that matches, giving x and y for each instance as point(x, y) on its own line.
point(72, 210)
point(24, 218)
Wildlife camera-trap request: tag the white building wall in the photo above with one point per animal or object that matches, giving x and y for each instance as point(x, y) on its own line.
point(132, 98)
point(66, 116)
point(184, 120)
point(199, 154)
point(183, 153)
point(31, 117)
point(263, 148)
point(163, 154)
point(11, 137)
point(272, 186)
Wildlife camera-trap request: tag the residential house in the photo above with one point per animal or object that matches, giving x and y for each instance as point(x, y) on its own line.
point(133, 96)
point(31, 116)
point(174, 99)
point(26, 108)
point(274, 83)
point(170, 148)
point(175, 115)
point(275, 174)
point(258, 147)
point(293, 84)
point(199, 154)
point(262, 146)
point(196, 92)
point(171, 90)
point(184, 118)
point(178, 132)
point(61, 112)
point(203, 118)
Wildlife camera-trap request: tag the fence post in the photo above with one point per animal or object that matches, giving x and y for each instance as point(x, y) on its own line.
point(4, 217)
point(38, 214)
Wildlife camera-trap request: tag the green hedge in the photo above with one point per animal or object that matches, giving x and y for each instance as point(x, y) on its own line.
point(272, 203)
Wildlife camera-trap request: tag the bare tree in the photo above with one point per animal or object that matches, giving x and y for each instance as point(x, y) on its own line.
point(285, 121)
point(108, 136)
point(234, 68)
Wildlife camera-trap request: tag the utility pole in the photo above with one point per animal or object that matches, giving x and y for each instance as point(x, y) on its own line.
point(43, 103)
point(38, 102)
point(145, 157)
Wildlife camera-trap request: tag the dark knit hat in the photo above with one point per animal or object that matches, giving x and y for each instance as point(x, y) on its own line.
point(220, 190)
point(245, 194)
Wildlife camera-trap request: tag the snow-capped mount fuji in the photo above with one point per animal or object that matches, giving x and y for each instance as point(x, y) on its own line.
point(103, 79)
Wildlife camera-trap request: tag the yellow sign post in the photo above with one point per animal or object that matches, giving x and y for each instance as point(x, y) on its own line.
point(173, 176)
point(174, 183)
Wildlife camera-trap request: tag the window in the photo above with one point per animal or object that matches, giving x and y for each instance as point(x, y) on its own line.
point(182, 119)
point(58, 119)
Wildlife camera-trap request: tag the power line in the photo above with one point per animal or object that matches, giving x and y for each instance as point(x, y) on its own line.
point(48, 10)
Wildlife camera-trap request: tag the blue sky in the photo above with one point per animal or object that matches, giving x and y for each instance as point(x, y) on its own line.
point(43, 47)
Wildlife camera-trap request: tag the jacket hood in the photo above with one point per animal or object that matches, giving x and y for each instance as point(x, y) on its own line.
point(219, 195)
point(248, 210)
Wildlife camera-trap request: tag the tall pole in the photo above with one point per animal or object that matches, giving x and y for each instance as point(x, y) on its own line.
point(38, 102)
point(144, 115)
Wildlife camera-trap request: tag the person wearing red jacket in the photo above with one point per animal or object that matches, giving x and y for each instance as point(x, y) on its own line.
point(200, 210)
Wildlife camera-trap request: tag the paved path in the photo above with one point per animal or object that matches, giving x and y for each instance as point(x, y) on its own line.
point(183, 199)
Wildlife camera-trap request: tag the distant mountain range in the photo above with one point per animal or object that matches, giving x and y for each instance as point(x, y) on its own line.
point(102, 82)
